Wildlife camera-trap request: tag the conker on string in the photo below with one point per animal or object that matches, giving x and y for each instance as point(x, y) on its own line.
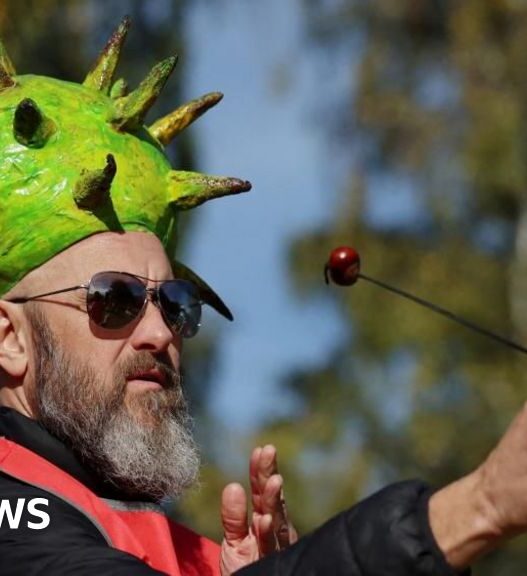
point(343, 266)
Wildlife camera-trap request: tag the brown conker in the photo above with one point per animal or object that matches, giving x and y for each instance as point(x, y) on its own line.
point(343, 266)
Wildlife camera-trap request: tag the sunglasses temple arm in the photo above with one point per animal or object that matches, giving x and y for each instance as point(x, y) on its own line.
point(21, 300)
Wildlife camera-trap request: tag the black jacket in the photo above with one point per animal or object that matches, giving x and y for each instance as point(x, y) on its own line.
point(385, 535)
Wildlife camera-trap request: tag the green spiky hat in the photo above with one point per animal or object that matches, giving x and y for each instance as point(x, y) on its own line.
point(76, 159)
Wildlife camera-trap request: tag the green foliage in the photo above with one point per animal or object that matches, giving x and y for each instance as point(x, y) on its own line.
point(439, 108)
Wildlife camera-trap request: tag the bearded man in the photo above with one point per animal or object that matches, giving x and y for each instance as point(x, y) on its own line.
point(94, 429)
point(93, 312)
point(105, 405)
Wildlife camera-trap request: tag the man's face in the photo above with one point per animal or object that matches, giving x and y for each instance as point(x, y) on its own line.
point(113, 395)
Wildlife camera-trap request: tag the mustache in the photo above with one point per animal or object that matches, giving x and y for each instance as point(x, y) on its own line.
point(169, 402)
point(144, 361)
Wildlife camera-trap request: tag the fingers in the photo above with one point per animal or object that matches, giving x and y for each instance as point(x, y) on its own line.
point(234, 513)
point(268, 495)
point(273, 503)
point(263, 464)
point(262, 525)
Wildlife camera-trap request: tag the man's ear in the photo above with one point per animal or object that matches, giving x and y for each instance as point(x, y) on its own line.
point(13, 341)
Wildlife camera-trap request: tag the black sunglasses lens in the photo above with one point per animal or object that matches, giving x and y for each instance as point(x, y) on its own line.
point(114, 300)
point(181, 306)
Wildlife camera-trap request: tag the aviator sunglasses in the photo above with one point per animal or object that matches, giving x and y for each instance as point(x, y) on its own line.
point(116, 299)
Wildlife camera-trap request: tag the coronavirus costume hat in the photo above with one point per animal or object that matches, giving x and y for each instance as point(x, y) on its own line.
point(77, 159)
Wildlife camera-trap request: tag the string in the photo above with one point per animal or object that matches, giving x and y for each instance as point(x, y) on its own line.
point(439, 310)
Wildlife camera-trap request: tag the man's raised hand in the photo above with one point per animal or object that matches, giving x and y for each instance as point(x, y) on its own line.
point(269, 529)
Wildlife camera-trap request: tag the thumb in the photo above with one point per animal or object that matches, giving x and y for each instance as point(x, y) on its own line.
point(234, 513)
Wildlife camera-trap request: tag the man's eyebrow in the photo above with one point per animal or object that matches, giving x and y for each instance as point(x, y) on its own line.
point(170, 276)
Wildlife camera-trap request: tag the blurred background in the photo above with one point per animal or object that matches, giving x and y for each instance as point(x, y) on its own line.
point(397, 127)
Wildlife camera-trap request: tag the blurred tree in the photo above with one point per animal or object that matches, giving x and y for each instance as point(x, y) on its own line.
point(62, 38)
point(433, 127)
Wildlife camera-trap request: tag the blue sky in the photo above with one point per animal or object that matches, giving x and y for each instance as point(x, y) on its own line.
point(246, 50)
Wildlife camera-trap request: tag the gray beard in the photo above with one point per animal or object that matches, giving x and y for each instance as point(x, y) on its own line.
point(145, 448)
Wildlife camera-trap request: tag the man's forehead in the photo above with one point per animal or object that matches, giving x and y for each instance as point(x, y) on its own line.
point(136, 252)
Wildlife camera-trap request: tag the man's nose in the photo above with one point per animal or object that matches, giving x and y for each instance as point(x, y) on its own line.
point(152, 332)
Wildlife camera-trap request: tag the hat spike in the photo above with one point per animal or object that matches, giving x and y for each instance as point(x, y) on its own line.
point(6, 81)
point(101, 75)
point(167, 128)
point(5, 62)
point(187, 190)
point(206, 293)
point(7, 70)
point(130, 111)
point(119, 89)
point(92, 190)
point(30, 127)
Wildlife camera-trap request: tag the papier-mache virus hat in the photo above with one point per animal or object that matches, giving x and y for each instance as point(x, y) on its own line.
point(77, 159)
